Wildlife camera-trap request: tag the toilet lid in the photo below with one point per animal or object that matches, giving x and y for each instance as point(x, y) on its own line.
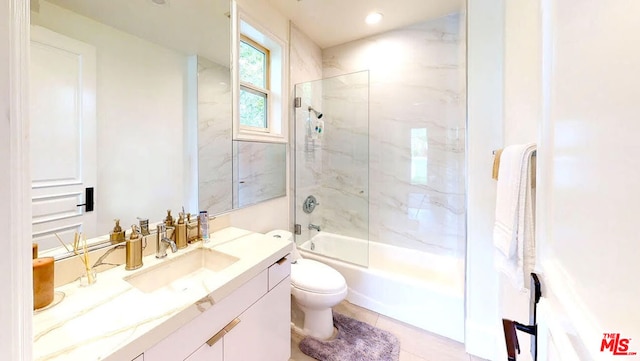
point(313, 276)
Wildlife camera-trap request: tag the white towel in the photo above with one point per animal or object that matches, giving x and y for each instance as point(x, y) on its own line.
point(513, 233)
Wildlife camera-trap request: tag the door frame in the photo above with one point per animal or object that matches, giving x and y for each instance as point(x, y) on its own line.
point(15, 194)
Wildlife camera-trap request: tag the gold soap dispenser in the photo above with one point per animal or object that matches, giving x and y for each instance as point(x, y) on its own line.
point(181, 232)
point(168, 221)
point(134, 250)
point(117, 234)
point(192, 230)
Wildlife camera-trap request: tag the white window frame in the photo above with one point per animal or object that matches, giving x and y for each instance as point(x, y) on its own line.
point(276, 131)
point(256, 89)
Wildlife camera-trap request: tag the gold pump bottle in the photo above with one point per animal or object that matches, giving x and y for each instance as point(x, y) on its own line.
point(117, 234)
point(133, 250)
point(181, 232)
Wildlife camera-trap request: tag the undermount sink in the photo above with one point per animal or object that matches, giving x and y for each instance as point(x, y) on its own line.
point(176, 272)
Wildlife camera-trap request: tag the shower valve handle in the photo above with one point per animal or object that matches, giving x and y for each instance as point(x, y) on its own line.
point(310, 204)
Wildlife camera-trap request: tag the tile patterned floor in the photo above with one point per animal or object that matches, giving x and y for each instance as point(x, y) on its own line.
point(415, 344)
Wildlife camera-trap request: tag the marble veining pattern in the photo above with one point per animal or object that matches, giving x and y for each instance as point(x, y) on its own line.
point(416, 134)
point(332, 165)
point(260, 172)
point(215, 150)
point(306, 69)
point(345, 179)
point(113, 320)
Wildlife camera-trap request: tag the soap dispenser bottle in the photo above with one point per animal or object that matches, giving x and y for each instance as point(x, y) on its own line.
point(134, 250)
point(192, 229)
point(117, 234)
point(168, 221)
point(181, 232)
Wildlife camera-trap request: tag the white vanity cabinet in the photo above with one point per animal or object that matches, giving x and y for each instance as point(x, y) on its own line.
point(264, 330)
point(214, 352)
point(252, 323)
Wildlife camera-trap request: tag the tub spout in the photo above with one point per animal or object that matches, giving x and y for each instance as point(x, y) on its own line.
point(313, 226)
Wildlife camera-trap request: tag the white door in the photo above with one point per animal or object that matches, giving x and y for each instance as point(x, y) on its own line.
point(62, 107)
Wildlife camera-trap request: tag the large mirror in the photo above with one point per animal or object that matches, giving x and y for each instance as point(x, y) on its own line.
point(259, 172)
point(131, 105)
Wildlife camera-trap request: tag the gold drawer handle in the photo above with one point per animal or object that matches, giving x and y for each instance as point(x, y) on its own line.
point(220, 334)
point(231, 325)
point(215, 338)
point(282, 260)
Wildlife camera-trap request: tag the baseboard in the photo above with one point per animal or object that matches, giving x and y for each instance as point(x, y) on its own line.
point(480, 340)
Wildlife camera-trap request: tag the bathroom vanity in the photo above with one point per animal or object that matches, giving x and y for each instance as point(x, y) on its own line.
point(228, 299)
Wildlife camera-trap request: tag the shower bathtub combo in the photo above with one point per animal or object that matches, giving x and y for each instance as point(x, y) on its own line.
point(422, 289)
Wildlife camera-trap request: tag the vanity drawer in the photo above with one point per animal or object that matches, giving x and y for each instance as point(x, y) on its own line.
point(184, 341)
point(279, 271)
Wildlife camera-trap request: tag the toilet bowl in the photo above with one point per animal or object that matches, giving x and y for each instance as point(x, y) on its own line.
point(316, 288)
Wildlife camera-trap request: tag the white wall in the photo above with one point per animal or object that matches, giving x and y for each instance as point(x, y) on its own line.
point(583, 103)
point(522, 117)
point(273, 214)
point(267, 17)
point(215, 148)
point(140, 116)
point(591, 166)
point(305, 64)
point(522, 71)
point(263, 217)
point(485, 35)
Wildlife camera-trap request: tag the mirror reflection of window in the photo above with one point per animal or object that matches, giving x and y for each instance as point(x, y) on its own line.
point(419, 160)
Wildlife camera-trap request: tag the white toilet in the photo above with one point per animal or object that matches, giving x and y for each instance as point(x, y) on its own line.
point(315, 288)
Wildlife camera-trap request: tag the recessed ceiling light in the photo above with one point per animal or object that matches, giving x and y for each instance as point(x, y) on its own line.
point(160, 2)
point(373, 18)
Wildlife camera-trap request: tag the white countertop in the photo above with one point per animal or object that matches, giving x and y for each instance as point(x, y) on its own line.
point(113, 320)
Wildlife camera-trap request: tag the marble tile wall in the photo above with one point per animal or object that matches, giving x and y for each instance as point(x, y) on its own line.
point(344, 192)
point(214, 137)
point(306, 70)
point(308, 157)
point(333, 165)
point(417, 133)
point(260, 172)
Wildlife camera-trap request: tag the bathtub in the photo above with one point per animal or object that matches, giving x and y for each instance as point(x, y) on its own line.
point(419, 288)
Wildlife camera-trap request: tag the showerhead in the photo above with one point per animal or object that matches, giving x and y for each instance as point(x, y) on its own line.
point(317, 113)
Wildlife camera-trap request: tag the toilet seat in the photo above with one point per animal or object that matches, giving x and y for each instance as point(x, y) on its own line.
point(313, 276)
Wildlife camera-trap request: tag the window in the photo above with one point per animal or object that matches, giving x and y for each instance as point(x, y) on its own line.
point(419, 159)
point(254, 85)
point(259, 95)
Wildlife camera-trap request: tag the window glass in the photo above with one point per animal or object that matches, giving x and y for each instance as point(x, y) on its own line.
point(253, 108)
point(253, 65)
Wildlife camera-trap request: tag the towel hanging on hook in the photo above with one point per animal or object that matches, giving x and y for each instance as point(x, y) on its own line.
point(496, 165)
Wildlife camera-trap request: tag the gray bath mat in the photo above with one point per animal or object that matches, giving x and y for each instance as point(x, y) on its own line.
point(355, 341)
